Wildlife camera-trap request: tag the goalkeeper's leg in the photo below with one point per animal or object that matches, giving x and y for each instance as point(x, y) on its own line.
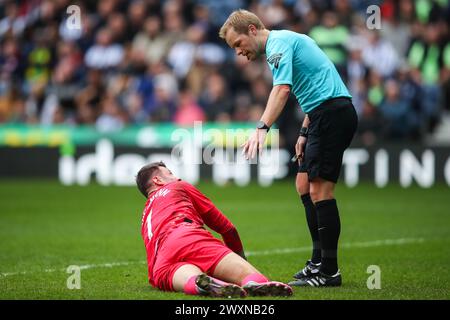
point(233, 268)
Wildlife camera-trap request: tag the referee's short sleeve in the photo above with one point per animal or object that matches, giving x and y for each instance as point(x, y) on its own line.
point(280, 62)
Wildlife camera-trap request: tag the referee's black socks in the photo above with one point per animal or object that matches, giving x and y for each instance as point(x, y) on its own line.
point(311, 218)
point(329, 230)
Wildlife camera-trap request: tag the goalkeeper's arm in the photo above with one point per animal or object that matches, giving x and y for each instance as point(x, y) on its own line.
point(222, 225)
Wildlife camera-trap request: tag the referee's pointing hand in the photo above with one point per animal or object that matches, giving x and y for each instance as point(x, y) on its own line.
point(254, 144)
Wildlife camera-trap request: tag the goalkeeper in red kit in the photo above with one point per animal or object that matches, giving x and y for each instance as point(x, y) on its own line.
point(181, 254)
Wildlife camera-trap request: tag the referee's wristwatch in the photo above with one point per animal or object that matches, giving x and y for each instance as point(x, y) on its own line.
point(262, 125)
point(304, 132)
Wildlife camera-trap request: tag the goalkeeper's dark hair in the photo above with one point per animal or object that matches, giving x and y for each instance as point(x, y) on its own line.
point(144, 176)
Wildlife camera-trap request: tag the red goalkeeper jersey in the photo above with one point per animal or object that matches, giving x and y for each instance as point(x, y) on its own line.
point(176, 203)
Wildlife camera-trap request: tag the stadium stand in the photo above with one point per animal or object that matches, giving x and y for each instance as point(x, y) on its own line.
point(147, 61)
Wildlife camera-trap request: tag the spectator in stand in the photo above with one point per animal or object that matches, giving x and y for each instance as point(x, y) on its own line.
point(370, 124)
point(188, 110)
point(356, 73)
point(7, 100)
point(428, 56)
point(138, 10)
point(174, 23)
point(184, 54)
point(34, 104)
point(12, 22)
point(399, 117)
point(375, 90)
point(18, 112)
point(260, 91)
point(331, 37)
point(112, 117)
point(343, 11)
point(105, 9)
point(395, 29)
point(66, 76)
point(11, 64)
point(166, 96)
point(40, 59)
point(91, 95)
point(154, 47)
point(104, 54)
point(118, 25)
point(380, 55)
point(150, 45)
point(215, 98)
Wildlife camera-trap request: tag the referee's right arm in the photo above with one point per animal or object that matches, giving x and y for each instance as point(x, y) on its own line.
point(301, 141)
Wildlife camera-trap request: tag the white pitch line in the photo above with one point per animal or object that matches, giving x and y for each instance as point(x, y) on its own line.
point(376, 243)
point(82, 267)
point(367, 244)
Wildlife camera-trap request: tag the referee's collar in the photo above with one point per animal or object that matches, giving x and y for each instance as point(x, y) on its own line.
point(267, 40)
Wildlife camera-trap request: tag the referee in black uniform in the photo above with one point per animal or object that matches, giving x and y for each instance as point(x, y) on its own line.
point(299, 66)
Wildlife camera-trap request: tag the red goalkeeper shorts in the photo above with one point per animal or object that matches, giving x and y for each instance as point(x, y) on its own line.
point(187, 244)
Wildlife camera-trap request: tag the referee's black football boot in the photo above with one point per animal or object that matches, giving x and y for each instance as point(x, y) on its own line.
point(309, 270)
point(208, 286)
point(319, 280)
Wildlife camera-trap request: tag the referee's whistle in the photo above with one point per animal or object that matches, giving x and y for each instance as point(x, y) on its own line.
point(295, 158)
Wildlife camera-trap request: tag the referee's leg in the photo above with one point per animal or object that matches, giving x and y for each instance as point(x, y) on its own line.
point(302, 186)
point(338, 125)
point(322, 193)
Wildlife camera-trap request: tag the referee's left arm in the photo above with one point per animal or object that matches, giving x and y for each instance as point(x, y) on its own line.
point(280, 60)
point(277, 100)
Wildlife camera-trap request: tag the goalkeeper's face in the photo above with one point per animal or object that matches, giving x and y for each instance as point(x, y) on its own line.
point(164, 176)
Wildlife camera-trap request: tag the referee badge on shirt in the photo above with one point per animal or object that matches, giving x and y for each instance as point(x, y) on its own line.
point(275, 59)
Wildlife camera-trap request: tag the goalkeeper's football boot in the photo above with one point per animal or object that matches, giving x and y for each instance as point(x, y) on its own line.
point(208, 286)
point(309, 270)
point(319, 280)
point(269, 288)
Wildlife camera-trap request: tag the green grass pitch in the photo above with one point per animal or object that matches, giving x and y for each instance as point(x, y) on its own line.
point(46, 227)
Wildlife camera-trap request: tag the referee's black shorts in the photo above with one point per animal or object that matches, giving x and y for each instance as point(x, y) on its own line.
point(331, 129)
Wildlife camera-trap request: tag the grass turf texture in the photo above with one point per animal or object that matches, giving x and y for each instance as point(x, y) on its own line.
point(44, 225)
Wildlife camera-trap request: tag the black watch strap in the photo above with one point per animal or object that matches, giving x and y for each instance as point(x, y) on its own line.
point(304, 132)
point(262, 125)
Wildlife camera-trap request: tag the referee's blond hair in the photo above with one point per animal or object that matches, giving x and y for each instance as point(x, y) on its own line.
point(239, 20)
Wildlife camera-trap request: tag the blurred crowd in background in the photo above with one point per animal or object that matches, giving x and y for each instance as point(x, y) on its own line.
point(147, 61)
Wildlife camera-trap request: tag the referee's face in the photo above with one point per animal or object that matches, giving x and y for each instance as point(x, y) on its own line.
point(243, 44)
